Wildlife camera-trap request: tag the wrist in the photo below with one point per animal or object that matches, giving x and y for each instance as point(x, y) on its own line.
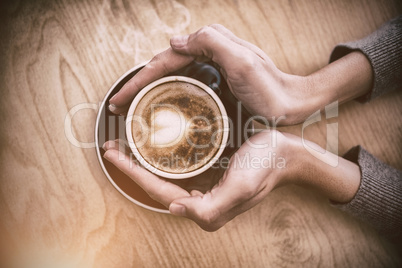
point(289, 148)
point(301, 99)
point(339, 181)
point(343, 80)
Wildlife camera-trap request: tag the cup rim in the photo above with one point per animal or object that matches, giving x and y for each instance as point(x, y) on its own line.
point(137, 154)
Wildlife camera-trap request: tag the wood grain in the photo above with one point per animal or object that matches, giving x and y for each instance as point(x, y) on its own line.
point(57, 206)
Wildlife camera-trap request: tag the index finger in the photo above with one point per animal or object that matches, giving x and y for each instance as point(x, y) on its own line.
point(230, 35)
point(161, 64)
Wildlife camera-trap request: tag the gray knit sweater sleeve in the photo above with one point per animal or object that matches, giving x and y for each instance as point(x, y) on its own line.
point(379, 198)
point(383, 48)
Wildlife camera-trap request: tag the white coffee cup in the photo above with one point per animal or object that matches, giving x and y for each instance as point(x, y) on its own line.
point(159, 125)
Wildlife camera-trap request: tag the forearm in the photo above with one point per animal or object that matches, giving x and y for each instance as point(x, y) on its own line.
point(343, 80)
point(339, 181)
point(366, 68)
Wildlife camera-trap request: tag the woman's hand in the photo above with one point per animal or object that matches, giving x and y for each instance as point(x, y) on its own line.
point(253, 78)
point(251, 175)
point(267, 160)
point(250, 74)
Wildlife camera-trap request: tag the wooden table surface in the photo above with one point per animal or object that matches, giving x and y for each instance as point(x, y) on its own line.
point(57, 206)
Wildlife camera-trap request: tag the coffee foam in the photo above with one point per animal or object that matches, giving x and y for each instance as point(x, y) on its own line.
point(179, 127)
point(169, 126)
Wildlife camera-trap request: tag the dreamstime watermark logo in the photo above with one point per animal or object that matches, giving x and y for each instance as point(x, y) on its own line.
point(112, 127)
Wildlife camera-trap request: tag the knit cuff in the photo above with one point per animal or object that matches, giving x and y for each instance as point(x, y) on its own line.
point(379, 198)
point(383, 50)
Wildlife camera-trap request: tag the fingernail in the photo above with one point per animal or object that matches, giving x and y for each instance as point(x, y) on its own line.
point(112, 98)
point(104, 146)
point(106, 155)
point(179, 40)
point(177, 209)
point(112, 108)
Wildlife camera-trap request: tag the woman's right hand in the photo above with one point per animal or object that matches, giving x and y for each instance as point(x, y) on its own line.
point(253, 78)
point(250, 74)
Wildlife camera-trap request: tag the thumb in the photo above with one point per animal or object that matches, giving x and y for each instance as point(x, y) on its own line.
point(208, 42)
point(214, 208)
point(199, 210)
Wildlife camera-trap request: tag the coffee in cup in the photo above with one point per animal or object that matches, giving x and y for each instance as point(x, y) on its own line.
point(177, 127)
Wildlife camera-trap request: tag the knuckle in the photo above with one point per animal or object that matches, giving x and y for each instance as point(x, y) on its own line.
point(156, 58)
point(205, 32)
point(208, 218)
point(153, 196)
point(158, 62)
point(249, 60)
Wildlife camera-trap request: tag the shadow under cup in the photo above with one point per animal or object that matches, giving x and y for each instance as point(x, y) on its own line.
point(110, 127)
